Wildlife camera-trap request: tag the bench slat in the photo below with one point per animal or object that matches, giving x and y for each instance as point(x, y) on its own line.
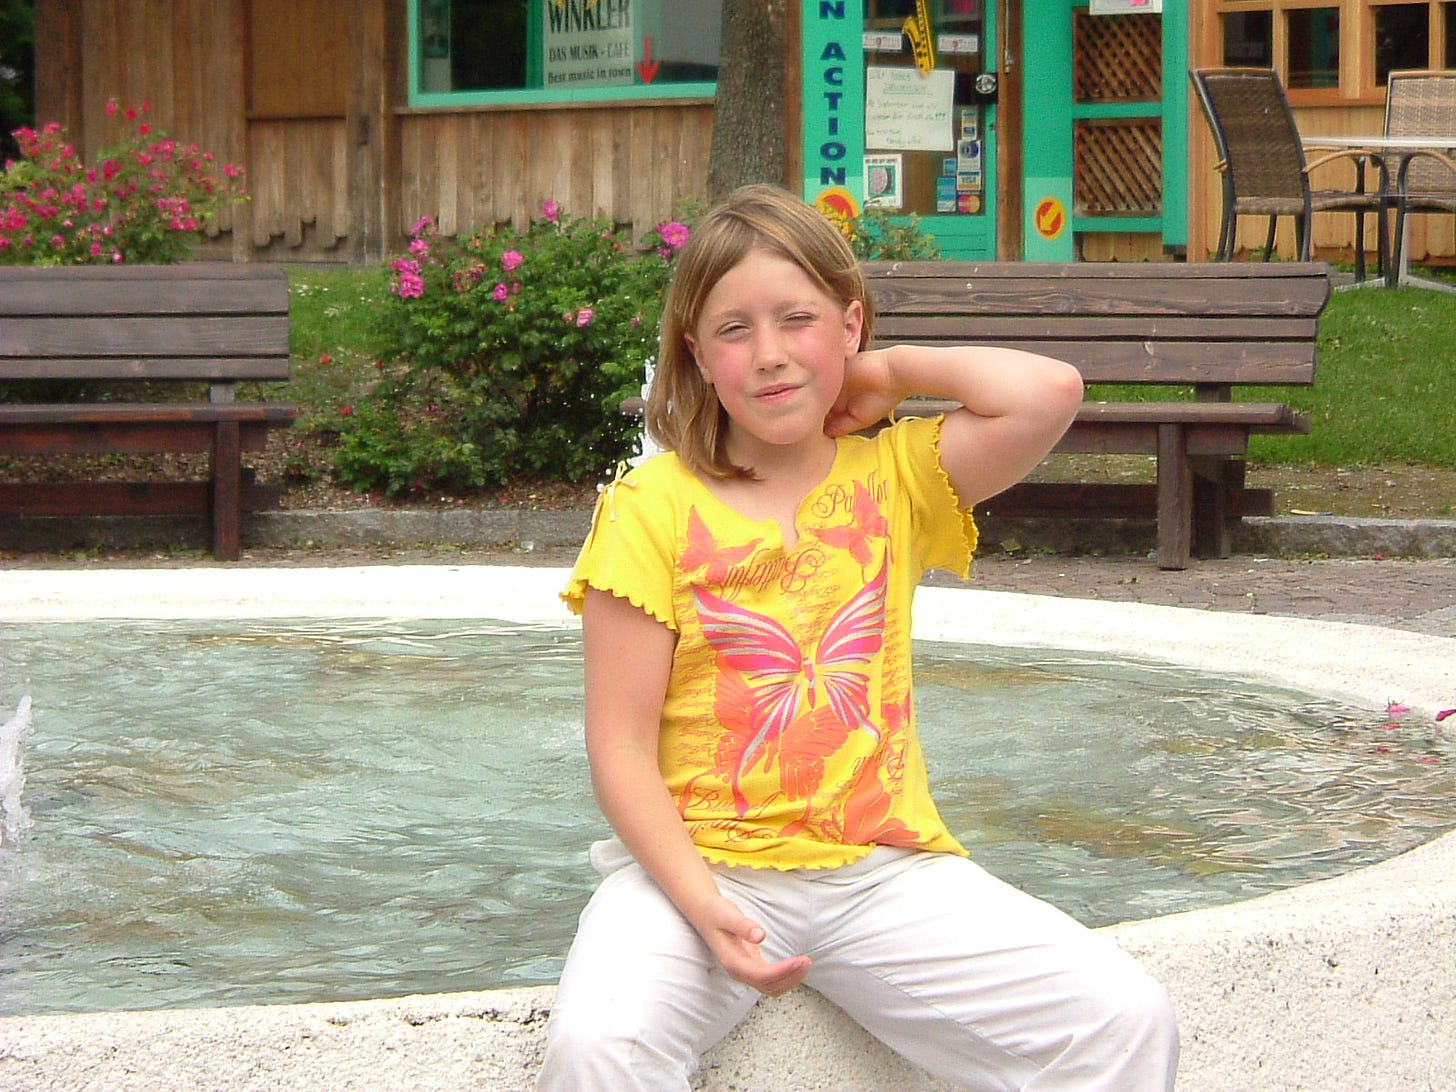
point(254, 336)
point(148, 369)
point(129, 437)
point(1107, 500)
point(1178, 363)
point(1254, 415)
point(994, 329)
point(26, 413)
point(1083, 288)
point(123, 498)
point(188, 288)
point(989, 297)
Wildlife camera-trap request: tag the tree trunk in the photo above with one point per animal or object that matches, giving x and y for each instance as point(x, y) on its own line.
point(748, 119)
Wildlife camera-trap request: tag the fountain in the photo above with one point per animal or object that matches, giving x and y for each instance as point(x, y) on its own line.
point(1341, 983)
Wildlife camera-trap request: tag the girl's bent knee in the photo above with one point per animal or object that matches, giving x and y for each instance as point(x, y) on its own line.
point(593, 1047)
point(591, 1054)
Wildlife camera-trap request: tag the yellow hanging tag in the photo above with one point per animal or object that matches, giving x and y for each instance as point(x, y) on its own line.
point(922, 40)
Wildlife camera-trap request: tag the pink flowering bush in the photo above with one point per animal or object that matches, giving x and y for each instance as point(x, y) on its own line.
point(147, 199)
point(507, 355)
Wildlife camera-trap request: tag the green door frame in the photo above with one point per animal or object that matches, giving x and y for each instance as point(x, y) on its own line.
point(1048, 145)
point(833, 127)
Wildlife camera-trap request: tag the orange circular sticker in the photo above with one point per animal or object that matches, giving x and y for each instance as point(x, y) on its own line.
point(1050, 217)
point(837, 203)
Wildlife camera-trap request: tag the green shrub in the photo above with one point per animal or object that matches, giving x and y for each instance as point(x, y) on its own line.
point(879, 235)
point(506, 356)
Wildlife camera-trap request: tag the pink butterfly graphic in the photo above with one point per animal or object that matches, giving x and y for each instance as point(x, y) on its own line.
point(782, 680)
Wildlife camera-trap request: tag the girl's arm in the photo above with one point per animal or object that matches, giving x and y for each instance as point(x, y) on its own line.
point(1016, 406)
point(628, 661)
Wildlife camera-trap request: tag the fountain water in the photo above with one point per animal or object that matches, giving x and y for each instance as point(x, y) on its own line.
point(14, 817)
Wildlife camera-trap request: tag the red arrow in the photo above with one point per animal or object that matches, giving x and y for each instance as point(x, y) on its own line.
point(647, 67)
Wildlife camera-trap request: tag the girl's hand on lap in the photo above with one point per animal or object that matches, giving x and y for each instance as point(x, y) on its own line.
point(736, 941)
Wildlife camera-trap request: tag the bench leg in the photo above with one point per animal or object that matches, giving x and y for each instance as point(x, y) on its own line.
point(227, 492)
point(1216, 482)
point(1175, 498)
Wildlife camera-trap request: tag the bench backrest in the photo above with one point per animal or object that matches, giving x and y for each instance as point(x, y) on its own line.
point(1209, 325)
point(198, 321)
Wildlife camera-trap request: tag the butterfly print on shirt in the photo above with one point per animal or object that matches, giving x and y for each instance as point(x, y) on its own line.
point(783, 684)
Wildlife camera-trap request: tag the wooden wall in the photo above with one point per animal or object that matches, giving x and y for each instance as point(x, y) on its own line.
point(309, 95)
point(633, 164)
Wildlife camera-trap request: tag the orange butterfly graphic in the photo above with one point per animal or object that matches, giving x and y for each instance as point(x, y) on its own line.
point(866, 522)
point(703, 551)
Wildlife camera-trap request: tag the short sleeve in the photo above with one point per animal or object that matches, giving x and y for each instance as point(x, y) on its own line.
point(630, 549)
point(945, 534)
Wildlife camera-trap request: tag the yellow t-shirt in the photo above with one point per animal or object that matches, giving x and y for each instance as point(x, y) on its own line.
point(788, 732)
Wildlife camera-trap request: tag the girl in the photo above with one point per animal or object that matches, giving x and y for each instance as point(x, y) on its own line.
point(749, 718)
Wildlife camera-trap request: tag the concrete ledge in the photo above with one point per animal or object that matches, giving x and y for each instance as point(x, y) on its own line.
point(1288, 536)
point(1345, 983)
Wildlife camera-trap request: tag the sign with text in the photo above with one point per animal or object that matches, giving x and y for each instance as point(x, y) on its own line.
point(906, 111)
point(587, 43)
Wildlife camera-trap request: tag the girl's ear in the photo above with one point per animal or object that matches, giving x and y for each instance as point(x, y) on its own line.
point(692, 350)
point(853, 325)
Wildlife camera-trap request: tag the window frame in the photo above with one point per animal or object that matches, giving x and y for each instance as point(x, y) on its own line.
point(698, 90)
point(1357, 39)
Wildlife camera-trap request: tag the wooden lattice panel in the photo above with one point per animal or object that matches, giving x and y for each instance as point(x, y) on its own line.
point(1117, 167)
point(1117, 58)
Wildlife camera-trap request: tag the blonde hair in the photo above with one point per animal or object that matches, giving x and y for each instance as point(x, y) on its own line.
point(683, 411)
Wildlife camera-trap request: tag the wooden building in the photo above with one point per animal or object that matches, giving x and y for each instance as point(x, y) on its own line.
point(1043, 129)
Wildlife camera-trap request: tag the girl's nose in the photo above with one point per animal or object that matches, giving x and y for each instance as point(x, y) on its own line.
point(769, 350)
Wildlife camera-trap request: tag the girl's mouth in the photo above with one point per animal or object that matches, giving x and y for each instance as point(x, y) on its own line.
point(772, 393)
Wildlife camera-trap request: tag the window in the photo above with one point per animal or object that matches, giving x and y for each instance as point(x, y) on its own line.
point(1314, 47)
point(1316, 50)
point(467, 52)
point(1402, 39)
point(1248, 39)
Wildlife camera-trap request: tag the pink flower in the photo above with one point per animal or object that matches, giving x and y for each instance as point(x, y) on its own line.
point(501, 293)
point(584, 316)
point(419, 226)
point(674, 233)
point(512, 260)
point(1396, 709)
point(551, 210)
point(411, 285)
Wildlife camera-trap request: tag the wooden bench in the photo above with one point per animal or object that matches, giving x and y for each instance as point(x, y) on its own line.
point(201, 323)
point(1207, 327)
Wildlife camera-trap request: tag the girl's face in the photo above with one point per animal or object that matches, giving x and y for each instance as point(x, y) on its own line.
point(773, 345)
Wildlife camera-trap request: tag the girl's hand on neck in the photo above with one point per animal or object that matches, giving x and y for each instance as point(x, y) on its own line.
point(868, 395)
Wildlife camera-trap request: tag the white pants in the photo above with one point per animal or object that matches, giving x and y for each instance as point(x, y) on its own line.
point(971, 979)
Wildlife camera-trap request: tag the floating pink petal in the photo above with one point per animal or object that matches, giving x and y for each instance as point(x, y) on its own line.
point(1396, 709)
point(1444, 713)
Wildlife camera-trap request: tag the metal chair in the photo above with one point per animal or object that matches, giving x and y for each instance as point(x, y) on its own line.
point(1421, 104)
point(1263, 164)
